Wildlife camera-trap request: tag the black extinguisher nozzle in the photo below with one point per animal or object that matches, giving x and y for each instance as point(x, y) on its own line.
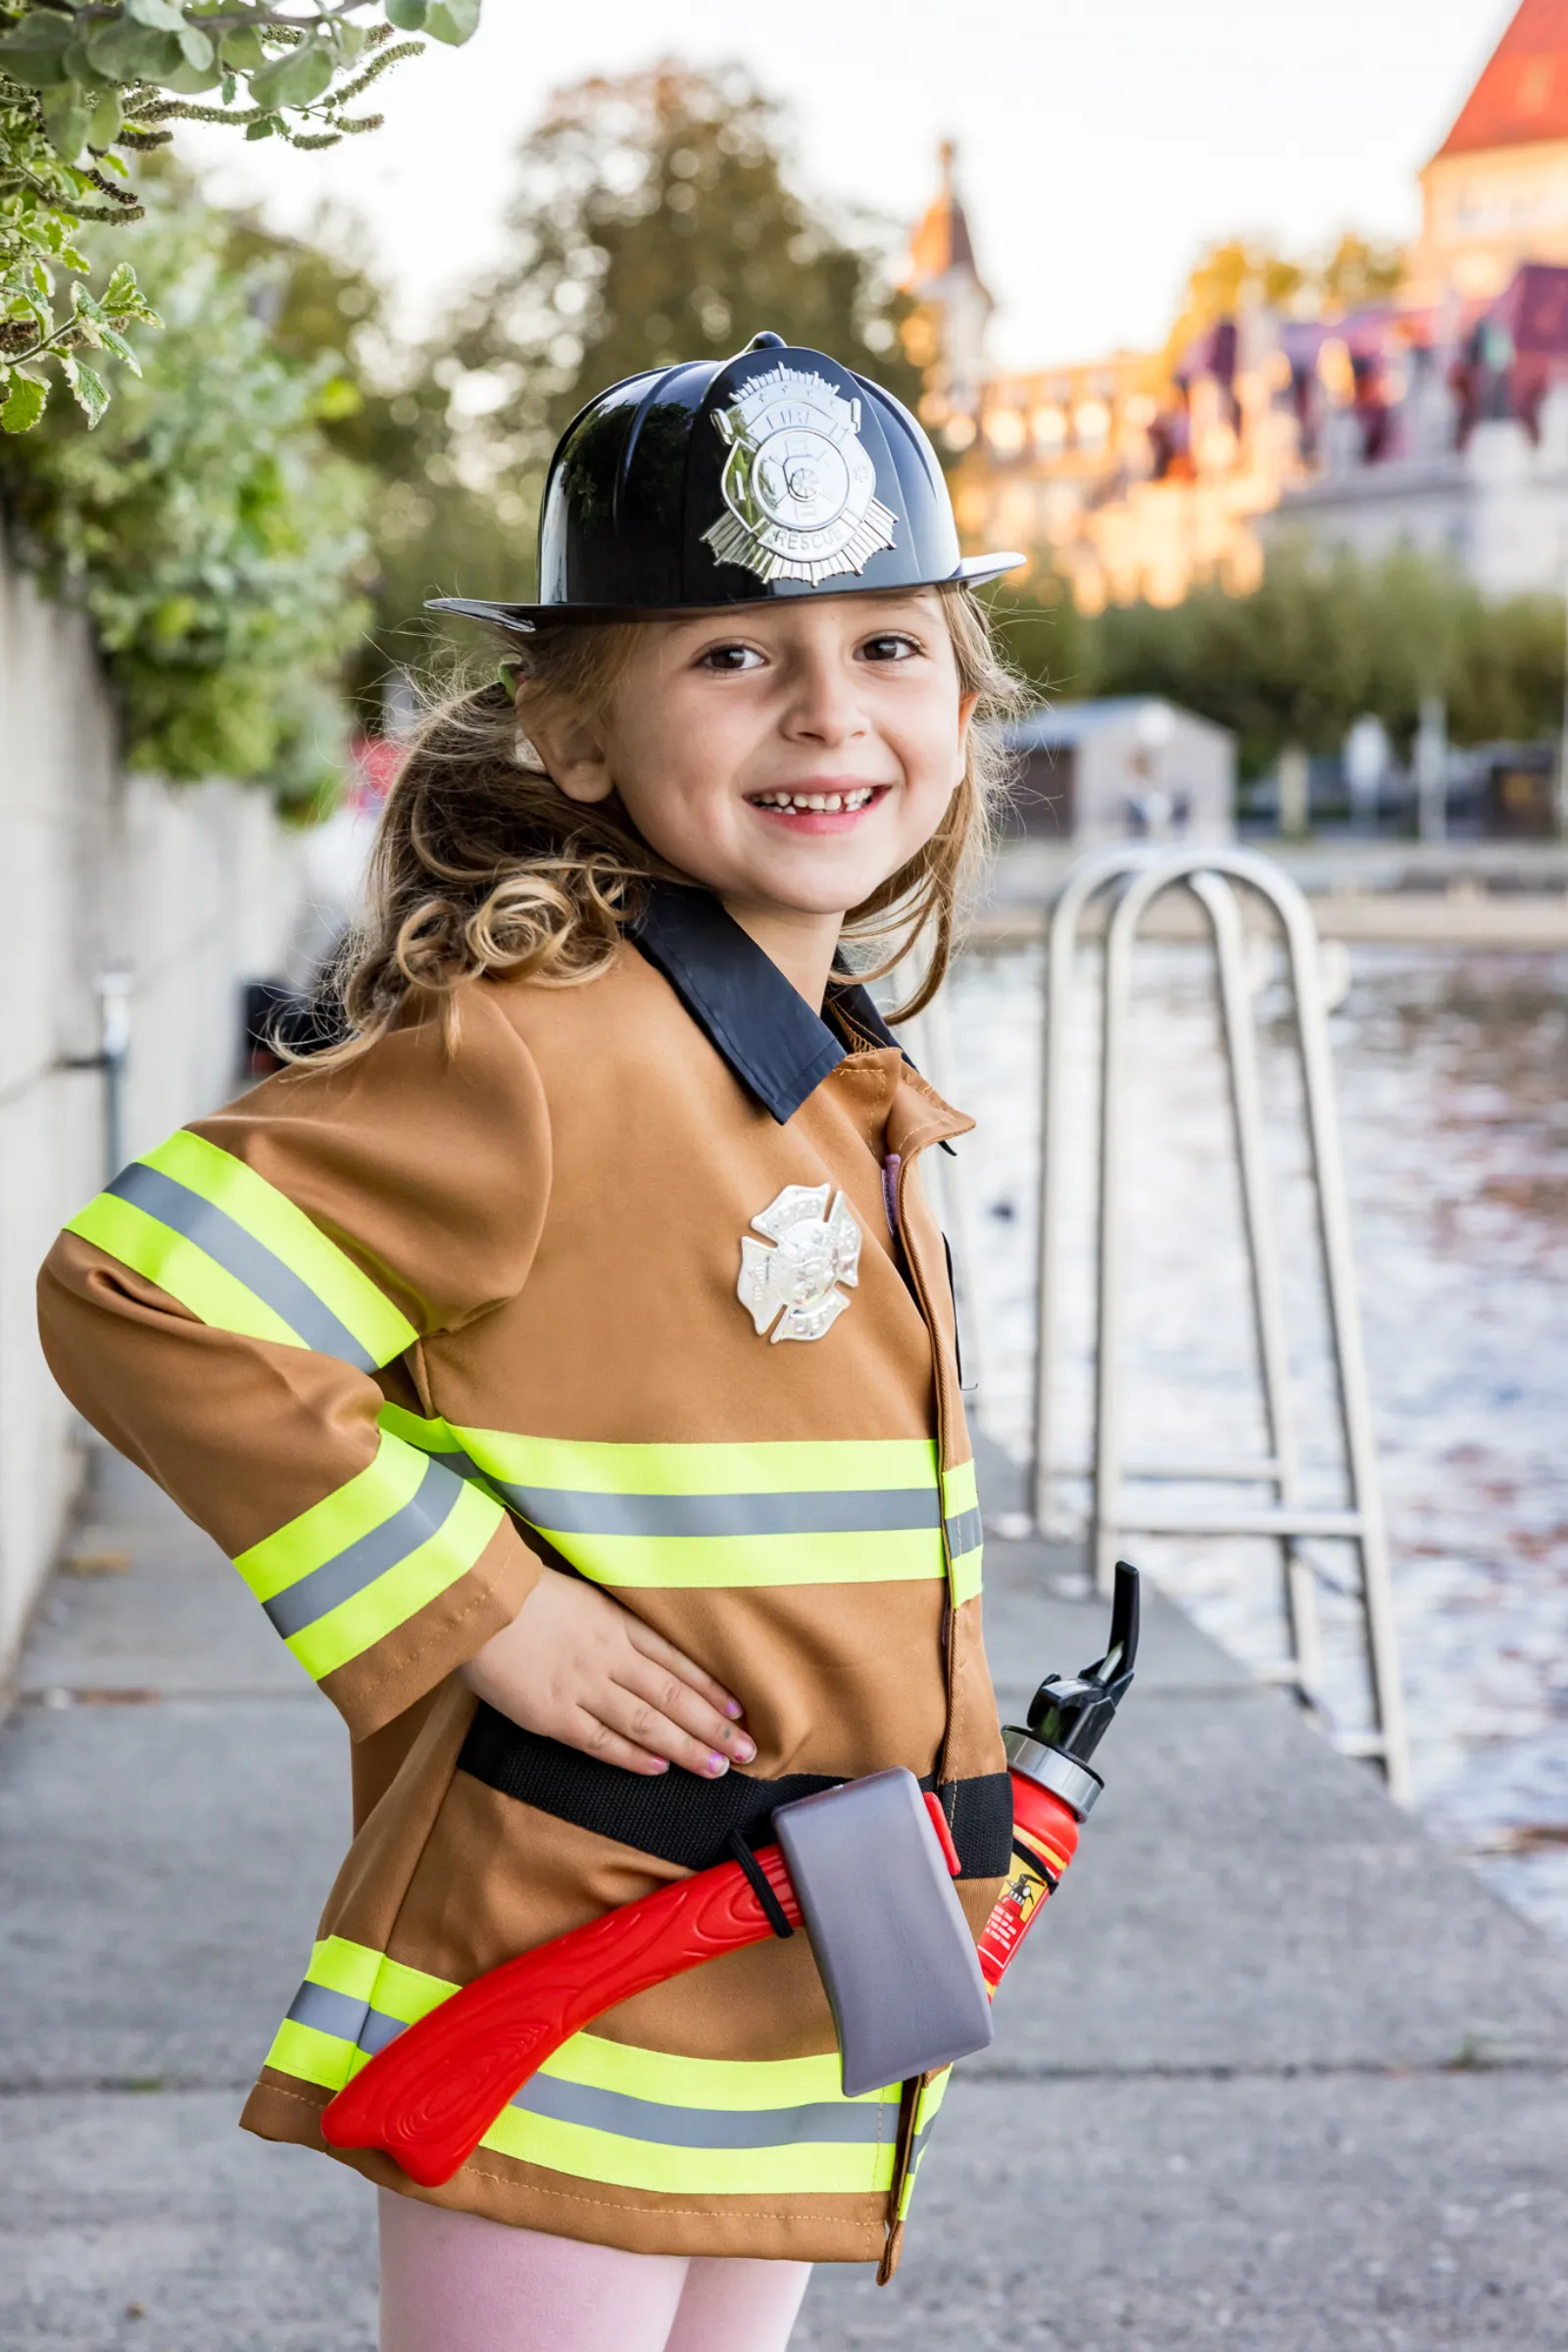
point(1073, 1713)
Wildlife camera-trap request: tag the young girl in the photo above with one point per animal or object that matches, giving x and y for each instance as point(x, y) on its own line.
point(567, 1357)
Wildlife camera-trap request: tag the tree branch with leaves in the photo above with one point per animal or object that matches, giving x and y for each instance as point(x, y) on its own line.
point(86, 90)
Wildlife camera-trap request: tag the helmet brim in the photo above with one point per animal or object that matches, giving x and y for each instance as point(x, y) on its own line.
point(973, 573)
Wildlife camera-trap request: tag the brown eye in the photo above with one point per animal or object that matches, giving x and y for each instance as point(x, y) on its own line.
point(728, 659)
point(892, 646)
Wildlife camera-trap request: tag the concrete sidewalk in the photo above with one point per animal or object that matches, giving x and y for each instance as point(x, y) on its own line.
point(1274, 2073)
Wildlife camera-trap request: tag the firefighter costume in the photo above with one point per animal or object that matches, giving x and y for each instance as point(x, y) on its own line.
point(635, 1280)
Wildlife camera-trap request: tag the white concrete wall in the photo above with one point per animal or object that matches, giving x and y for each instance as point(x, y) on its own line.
point(196, 889)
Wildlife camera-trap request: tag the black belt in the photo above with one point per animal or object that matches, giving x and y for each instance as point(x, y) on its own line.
point(689, 1821)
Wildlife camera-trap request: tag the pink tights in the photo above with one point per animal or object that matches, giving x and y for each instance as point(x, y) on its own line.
point(452, 2282)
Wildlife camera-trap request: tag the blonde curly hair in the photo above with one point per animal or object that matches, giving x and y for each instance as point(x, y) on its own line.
point(481, 864)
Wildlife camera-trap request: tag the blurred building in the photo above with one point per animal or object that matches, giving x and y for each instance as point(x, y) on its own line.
point(1436, 419)
point(1131, 765)
point(1495, 193)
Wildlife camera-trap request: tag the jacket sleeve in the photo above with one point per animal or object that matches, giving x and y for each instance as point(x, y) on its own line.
point(233, 1311)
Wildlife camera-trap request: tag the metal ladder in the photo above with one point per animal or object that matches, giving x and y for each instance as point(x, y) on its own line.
point(1121, 1506)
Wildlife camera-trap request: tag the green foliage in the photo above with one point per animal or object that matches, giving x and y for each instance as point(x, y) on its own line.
point(86, 89)
point(1321, 642)
point(206, 527)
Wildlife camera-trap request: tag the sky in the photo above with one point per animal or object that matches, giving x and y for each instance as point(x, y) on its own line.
point(1102, 143)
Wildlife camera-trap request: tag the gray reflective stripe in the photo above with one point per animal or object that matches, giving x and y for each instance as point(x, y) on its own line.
point(329, 2012)
point(819, 2123)
point(350, 1571)
point(966, 1532)
point(241, 1254)
point(823, 2120)
point(344, 2018)
point(378, 2030)
point(567, 1510)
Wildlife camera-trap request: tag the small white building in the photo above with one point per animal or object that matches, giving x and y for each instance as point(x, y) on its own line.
point(1130, 767)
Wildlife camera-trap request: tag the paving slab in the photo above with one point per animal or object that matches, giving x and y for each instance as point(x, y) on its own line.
point(1396, 2214)
point(149, 2223)
point(1274, 2071)
point(162, 1870)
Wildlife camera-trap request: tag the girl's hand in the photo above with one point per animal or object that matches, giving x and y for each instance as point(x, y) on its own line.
point(578, 1667)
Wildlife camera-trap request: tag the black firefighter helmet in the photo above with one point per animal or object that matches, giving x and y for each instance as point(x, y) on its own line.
point(775, 473)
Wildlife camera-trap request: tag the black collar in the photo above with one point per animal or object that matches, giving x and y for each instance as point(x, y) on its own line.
point(736, 994)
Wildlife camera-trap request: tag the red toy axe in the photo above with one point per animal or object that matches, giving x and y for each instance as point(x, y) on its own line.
point(866, 1868)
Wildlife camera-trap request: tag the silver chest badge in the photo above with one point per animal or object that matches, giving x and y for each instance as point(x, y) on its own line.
point(796, 1281)
point(800, 491)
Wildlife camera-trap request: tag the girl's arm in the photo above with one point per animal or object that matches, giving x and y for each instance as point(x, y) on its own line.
point(222, 1312)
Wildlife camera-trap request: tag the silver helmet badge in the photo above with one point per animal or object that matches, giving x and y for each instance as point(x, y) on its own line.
point(793, 1285)
point(800, 490)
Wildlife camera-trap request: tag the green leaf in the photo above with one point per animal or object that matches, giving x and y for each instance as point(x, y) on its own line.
point(91, 392)
point(263, 129)
point(348, 40)
point(128, 51)
point(452, 20)
point(122, 292)
point(199, 50)
point(114, 342)
point(78, 67)
point(187, 79)
point(338, 397)
point(24, 404)
point(34, 54)
point(242, 50)
point(66, 115)
point(108, 118)
point(43, 278)
point(163, 16)
point(407, 15)
point(296, 80)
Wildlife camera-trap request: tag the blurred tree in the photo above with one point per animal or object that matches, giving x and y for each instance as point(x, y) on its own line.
point(656, 221)
point(1358, 272)
point(1231, 275)
point(1318, 644)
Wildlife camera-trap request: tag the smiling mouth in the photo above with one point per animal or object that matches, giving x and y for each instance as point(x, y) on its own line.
point(819, 804)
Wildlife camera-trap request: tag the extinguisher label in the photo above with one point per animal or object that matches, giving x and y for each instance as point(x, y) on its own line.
point(1035, 1870)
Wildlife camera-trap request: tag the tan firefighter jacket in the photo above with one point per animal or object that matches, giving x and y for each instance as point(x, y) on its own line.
point(638, 1282)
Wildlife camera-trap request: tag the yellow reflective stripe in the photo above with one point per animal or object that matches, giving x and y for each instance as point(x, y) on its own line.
point(340, 1519)
point(431, 1437)
point(352, 1968)
point(960, 1510)
point(368, 1617)
point(688, 2125)
point(931, 2098)
point(812, 2168)
point(902, 1556)
point(213, 1294)
point(281, 1225)
point(734, 2083)
point(964, 1576)
point(960, 1489)
point(312, 2057)
point(772, 1466)
point(408, 1994)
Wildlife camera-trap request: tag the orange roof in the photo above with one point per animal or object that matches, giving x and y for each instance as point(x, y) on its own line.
point(942, 242)
point(1522, 96)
